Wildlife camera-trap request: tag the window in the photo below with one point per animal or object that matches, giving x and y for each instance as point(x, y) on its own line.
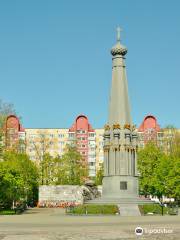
point(81, 138)
point(32, 136)
point(91, 134)
point(42, 135)
point(71, 135)
point(92, 148)
point(91, 164)
point(81, 131)
point(160, 135)
point(61, 135)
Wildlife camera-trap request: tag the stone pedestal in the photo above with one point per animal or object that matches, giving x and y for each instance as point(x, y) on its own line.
point(120, 187)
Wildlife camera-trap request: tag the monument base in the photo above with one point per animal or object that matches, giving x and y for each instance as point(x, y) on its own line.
point(120, 187)
point(123, 192)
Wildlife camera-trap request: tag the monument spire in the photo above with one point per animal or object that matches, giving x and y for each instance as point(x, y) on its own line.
point(119, 34)
point(119, 106)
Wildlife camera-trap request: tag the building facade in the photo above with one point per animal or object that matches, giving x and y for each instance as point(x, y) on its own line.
point(89, 141)
point(14, 134)
point(41, 141)
point(83, 135)
point(150, 131)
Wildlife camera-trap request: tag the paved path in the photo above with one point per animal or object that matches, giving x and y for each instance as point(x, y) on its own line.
point(52, 224)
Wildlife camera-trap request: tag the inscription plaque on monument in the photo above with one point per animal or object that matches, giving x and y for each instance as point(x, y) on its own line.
point(123, 185)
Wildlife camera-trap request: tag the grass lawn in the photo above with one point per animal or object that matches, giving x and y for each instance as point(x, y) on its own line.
point(155, 209)
point(7, 212)
point(94, 209)
point(146, 209)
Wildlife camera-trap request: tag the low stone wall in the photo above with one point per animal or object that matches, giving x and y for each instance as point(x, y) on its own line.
point(60, 196)
point(67, 195)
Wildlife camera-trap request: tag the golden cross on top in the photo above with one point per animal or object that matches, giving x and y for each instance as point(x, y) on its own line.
point(118, 33)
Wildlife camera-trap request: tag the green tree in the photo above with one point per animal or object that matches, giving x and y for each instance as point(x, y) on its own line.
point(48, 169)
point(99, 175)
point(149, 160)
point(1, 145)
point(169, 174)
point(172, 164)
point(18, 179)
point(169, 139)
point(72, 168)
point(175, 151)
point(173, 177)
point(11, 184)
point(160, 172)
point(41, 145)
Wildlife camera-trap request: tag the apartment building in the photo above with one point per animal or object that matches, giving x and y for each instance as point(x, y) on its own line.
point(45, 140)
point(14, 134)
point(89, 141)
point(149, 130)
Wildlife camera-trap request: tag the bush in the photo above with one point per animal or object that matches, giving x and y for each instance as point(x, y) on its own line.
point(94, 209)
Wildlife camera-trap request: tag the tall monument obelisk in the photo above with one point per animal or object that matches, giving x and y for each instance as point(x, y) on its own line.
point(120, 139)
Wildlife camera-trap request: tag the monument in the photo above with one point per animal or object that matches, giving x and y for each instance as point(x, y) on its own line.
point(120, 139)
point(120, 182)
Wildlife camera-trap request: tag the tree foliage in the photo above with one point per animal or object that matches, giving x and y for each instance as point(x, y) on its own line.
point(68, 169)
point(99, 175)
point(18, 179)
point(48, 169)
point(159, 172)
point(72, 168)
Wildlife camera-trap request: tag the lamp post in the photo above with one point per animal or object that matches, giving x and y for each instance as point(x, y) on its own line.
point(162, 206)
point(14, 197)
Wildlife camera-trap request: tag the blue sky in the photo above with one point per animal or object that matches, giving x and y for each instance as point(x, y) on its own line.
point(55, 60)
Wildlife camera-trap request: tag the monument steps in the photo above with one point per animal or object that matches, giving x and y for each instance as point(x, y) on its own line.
point(129, 210)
